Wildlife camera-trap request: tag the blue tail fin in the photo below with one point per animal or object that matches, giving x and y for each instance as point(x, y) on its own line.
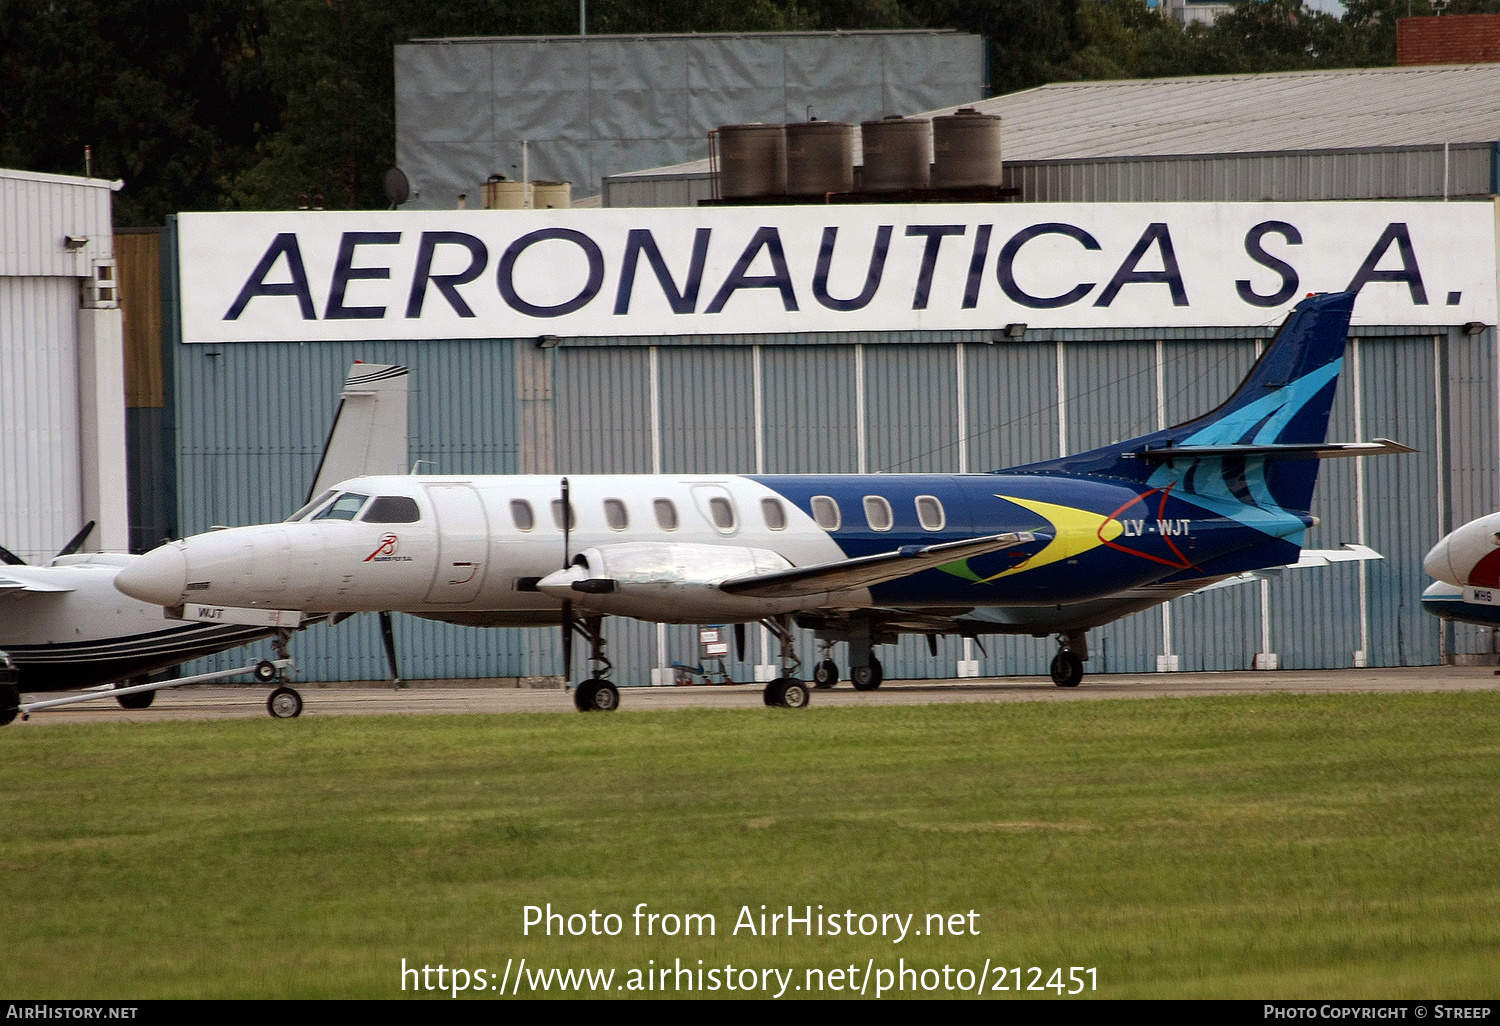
point(1246, 449)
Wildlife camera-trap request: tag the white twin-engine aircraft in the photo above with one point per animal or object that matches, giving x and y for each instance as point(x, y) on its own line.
point(1056, 547)
point(65, 626)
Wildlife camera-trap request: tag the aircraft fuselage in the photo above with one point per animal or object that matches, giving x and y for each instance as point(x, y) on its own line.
point(474, 550)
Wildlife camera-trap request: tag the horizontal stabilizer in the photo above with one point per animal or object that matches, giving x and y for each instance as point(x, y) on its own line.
point(1350, 552)
point(1308, 451)
point(866, 571)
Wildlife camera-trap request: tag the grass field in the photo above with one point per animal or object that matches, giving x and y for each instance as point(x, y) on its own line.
point(1262, 847)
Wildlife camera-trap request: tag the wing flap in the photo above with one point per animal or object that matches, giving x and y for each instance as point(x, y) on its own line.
point(865, 571)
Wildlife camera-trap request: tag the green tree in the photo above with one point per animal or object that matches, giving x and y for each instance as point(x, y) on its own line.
point(169, 96)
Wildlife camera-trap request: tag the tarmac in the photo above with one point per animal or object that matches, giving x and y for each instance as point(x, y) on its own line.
point(212, 702)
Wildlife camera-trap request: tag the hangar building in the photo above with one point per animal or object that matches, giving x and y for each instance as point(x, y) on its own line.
point(62, 385)
point(1178, 172)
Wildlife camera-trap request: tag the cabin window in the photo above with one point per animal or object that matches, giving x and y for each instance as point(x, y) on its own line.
point(615, 515)
point(878, 513)
point(521, 515)
point(345, 507)
point(305, 510)
point(773, 513)
point(557, 515)
point(393, 509)
point(666, 514)
point(930, 513)
point(721, 512)
point(825, 511)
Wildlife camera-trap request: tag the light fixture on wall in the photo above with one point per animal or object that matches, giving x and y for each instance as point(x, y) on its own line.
point(546, 341)
point(1015, 330)
point(75, 242)
point(1473, 327)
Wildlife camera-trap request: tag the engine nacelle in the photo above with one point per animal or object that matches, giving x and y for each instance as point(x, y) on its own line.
point(671, 582)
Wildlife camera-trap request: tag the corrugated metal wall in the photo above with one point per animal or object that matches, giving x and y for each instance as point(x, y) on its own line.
point(1462, 171)
point(252, 418)
point(41, 445)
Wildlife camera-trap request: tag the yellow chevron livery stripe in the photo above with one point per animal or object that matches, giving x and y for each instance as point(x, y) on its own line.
point(1075, 531)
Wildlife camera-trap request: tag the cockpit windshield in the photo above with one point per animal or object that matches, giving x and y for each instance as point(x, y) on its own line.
point(305, 510)
point(345, 507)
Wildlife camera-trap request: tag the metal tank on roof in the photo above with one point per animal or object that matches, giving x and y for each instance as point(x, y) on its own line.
point(752, 160)
point(819, 158)
point(965, 150)
point(898, 154)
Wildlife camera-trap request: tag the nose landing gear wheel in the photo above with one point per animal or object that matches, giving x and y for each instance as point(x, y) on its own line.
point(1067, 669)
point(596, 696)
point(284, 704)
point(787, 693)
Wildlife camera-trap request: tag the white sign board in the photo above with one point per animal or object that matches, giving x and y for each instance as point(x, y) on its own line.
point(312, 276)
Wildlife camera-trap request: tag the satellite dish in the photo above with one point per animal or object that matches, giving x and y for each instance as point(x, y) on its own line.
point(397, 187)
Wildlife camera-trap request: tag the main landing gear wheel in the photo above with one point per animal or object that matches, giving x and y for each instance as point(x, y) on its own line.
point(10, 703)
point(284, 704)
point(1067, 669)
point(826, 674)
point(139, 700)
point(265, 671)
point(596, 696)
point(867, 678)
point(787, 693)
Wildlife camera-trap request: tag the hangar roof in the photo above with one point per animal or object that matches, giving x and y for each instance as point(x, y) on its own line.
point(1298, 110)
point(1361, 108)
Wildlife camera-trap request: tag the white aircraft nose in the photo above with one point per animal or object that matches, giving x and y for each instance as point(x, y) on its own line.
point(1470, 555)
point(1436, 563)
point(159, 577)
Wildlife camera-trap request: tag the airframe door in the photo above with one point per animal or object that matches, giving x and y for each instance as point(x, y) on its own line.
point(463, 542)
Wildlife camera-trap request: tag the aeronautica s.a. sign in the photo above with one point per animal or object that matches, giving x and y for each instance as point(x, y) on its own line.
point(651, 272)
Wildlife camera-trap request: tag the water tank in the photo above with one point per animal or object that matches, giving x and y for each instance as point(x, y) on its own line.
point(965, 149)
point(898, 154)
point(819, 158)
point(551, 195)
point(752, 160)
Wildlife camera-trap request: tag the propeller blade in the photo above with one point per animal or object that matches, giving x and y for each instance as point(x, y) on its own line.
point(932, 643)
point(388, 635)
point(9, 558)
point(567, 607)
point(78, 540)
point(739, 641)
point(567, 523)
point(567, 642)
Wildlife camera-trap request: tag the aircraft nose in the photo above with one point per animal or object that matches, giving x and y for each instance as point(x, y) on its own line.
point(1436, 562)
point(1470, 555)
point(159, 577)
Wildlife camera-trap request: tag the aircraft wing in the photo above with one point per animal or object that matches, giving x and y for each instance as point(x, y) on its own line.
point(12, 585)
point(865, 571)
